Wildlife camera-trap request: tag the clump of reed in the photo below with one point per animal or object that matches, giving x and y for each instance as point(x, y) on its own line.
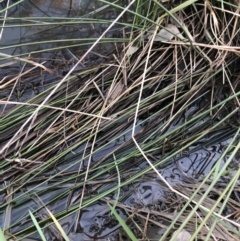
point(83, 139)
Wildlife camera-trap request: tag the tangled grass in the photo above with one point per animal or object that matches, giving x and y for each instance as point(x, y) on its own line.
point(85, 137)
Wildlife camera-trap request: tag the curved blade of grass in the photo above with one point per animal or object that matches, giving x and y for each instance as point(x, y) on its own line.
point(64, 235)
point(37, 226)
point(123, 224)
point(119, 182)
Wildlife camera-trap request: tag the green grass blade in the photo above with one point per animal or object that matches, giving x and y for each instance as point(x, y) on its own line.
point(123, 224)
point(64, 235)
point(37, 226)
point(2, 237)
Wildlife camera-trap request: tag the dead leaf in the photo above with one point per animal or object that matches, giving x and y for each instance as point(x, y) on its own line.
point(115, 92)
point(131, 50)
point(167, 34)
point(184, 235)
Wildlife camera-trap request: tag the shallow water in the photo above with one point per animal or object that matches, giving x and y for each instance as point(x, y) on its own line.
point(95, 221)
